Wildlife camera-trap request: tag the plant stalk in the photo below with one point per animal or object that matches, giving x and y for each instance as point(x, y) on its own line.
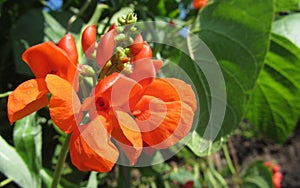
point(60, 162)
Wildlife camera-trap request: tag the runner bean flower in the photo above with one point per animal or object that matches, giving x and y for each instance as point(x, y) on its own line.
point(54, 67)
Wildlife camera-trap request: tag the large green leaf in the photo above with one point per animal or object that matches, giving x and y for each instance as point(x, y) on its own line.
point(275, 106)
point(289, 27)
point(44, 26)
point(287, 5)
point(257, 176)
point(13, 166)
point(237, 33)
point(28, 143)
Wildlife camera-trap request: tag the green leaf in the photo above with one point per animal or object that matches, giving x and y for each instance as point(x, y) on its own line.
point(28, 143)
point(47, 26)
point(286, 5)
point(13, 166)
point(257, 176)
point(237, 33)
point(289, 27)
point(275, 106)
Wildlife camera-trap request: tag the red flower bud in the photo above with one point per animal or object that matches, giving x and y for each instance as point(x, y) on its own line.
point(106, 48)
point(198, 4)
point(68, 44)
point(113, 26)
point(88, 40)
point(145, 52)
point(137, 45)
point(277, 177)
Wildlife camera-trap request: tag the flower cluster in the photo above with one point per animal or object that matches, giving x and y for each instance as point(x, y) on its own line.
point(276, 173)
point(128, 109)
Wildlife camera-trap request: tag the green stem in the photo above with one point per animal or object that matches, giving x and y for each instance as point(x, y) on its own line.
point(75, 17)
point(60, 162)
point(5, 182)
point(228, 159)
point(2, 95)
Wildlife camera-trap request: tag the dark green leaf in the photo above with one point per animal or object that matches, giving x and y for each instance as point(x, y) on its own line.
point(289, 27)
point(28, 143)
point(237, 33)
point(275, 105)
point(13, 166)
point(257, 176)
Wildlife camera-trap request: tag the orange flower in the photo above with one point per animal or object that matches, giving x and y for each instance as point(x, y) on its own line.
point(55, 69)
point(135, 113)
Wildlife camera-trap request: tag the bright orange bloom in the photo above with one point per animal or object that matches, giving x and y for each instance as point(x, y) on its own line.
point(198, 4)
point(55, 69)
point(135, 112)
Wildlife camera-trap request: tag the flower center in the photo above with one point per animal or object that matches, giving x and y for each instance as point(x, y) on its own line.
point(102, 104)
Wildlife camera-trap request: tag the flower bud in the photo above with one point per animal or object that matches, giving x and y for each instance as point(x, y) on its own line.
point(88, 40)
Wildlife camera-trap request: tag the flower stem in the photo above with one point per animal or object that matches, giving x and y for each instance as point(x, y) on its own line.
point(60, 162)
point(228, 159)
point(2, 95)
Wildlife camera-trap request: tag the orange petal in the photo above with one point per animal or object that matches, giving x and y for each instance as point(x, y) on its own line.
point(68, 44)
point(172, 89)
point(47, 58)
point(127, 135)
point(91, 148)
point(143, 71)
point(64, 104)
point(185, 92)
point(163, 124)
point(125, 90)
point(28, 97)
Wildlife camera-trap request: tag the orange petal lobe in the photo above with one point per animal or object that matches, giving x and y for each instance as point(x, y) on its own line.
point(28, 97)
point(47, 58)
point(91, 148)
point(184, 90)
point(167, 92)
point(64, 104)
point(163, 124)
point(128, 136)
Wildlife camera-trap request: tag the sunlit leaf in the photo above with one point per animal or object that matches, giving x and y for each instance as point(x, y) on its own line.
point(28, 143)
point(237, 33)
point(275, 106)
point(13, 166)
point(289, 27)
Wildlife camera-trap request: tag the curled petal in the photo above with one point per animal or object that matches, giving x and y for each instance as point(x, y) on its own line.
point(28, 97)
point(105, 48)
point(68, 44)
point(163, 124)
point(47, 58)
point(91, 148)
point(162, 89)
point(127, 135)
point(64, 104)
